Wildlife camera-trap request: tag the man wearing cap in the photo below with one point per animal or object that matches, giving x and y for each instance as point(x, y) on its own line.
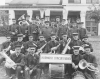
point(30, 42)
point(82, 31)
point(76, 57)
point(72, 30)
point(28, 19)
point(32, 67)
point(42, 42)
point(86, 41)
point(62, 29)
point(53, 45)
point(33, 29)
point(18, 42)
point(75, 40)
point(58, 23)
point(14, 30)
point(24, 28)
point(63, 43)
point(90, 59)
point(46, 31)
point(18, 58)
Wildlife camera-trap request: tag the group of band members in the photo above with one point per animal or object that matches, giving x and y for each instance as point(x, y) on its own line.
point(46, 38)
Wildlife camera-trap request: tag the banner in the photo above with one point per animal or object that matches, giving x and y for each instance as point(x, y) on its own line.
point(56, 58)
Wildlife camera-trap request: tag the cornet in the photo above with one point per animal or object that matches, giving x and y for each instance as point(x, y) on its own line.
point(83, 64)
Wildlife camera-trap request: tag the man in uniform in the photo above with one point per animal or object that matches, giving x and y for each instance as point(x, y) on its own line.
point(72, 30)
point(32, 68)
point(14, 30)
point(28, 19)
point(18, 42)
point(41, 44)
point(30, 42)
point(64, 42)
point(24, 30)
point(18, 59)
point(62, 29)
point(46, 31)
point(33, 29)
point(53, 45)
point(82, 31)
point(90, 59)
point(75, 41)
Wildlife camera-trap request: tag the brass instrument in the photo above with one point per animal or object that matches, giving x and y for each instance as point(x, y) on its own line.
point(40, 50)
point(53, 49)
point(83, 64)
point(66, 47)
point(9, 62)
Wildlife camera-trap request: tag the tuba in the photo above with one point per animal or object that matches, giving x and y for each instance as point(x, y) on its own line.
point(83, 64)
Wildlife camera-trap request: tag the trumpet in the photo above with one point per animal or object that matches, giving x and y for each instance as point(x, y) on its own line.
point(83, 64)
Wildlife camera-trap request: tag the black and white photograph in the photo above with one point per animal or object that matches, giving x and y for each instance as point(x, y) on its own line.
point(49, 39)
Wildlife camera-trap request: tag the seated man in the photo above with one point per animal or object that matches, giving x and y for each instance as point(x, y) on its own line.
point(76, 57)
point(90, 59)
point(18, 58)
point(32, 68)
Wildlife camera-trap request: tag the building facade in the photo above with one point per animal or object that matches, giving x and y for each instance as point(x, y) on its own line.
point(65, 9)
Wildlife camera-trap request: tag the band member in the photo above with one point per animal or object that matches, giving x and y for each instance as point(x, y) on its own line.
point(58, 21)
point(72, 30)
point(18, 42)
point(42, 42)
point(32, 64)
point(86, 41)
point(53, 45)
point(33, 29)
point(24, 30)
point(28, 19)
point(63, 43)
point(46, 31)
point(90, 59)
point(75, 40)
point(62, 29)
point(18, 58)
point(14, 30)
point(82, 31)
point(30, 42)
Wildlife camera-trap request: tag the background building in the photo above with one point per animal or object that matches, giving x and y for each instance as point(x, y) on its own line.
point(72, 9)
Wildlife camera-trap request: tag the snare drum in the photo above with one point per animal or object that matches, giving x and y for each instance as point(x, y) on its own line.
point(78, 75)
point(56, 70)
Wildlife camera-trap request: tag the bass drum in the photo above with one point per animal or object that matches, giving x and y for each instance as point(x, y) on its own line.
point(56, 70)
point(78, 75)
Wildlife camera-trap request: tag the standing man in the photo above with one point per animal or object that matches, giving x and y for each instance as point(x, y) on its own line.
point(63, 29)
point(33, 29)
point(14, 30)
point(46, 31)
point(24, 30)
point(82, 31)
point(28, 19)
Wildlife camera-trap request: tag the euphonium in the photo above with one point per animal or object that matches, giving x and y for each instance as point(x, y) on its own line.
point(83, 64)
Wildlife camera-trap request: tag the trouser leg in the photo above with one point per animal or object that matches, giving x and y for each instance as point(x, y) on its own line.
point(38, 73)
point(18, 71)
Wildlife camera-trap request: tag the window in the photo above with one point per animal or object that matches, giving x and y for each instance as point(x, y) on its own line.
point(92, 1)
point(74, 1)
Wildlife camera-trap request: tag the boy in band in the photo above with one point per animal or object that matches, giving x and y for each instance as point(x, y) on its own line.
point(18, 58)
point(90, 59)
point(32, 68)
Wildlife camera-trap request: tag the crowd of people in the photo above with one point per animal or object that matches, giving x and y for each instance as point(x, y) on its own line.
point(27, 40)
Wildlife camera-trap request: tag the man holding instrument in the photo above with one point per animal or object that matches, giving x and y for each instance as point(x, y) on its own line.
point(32, 68)
point(90, 59)
point(18, 58)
